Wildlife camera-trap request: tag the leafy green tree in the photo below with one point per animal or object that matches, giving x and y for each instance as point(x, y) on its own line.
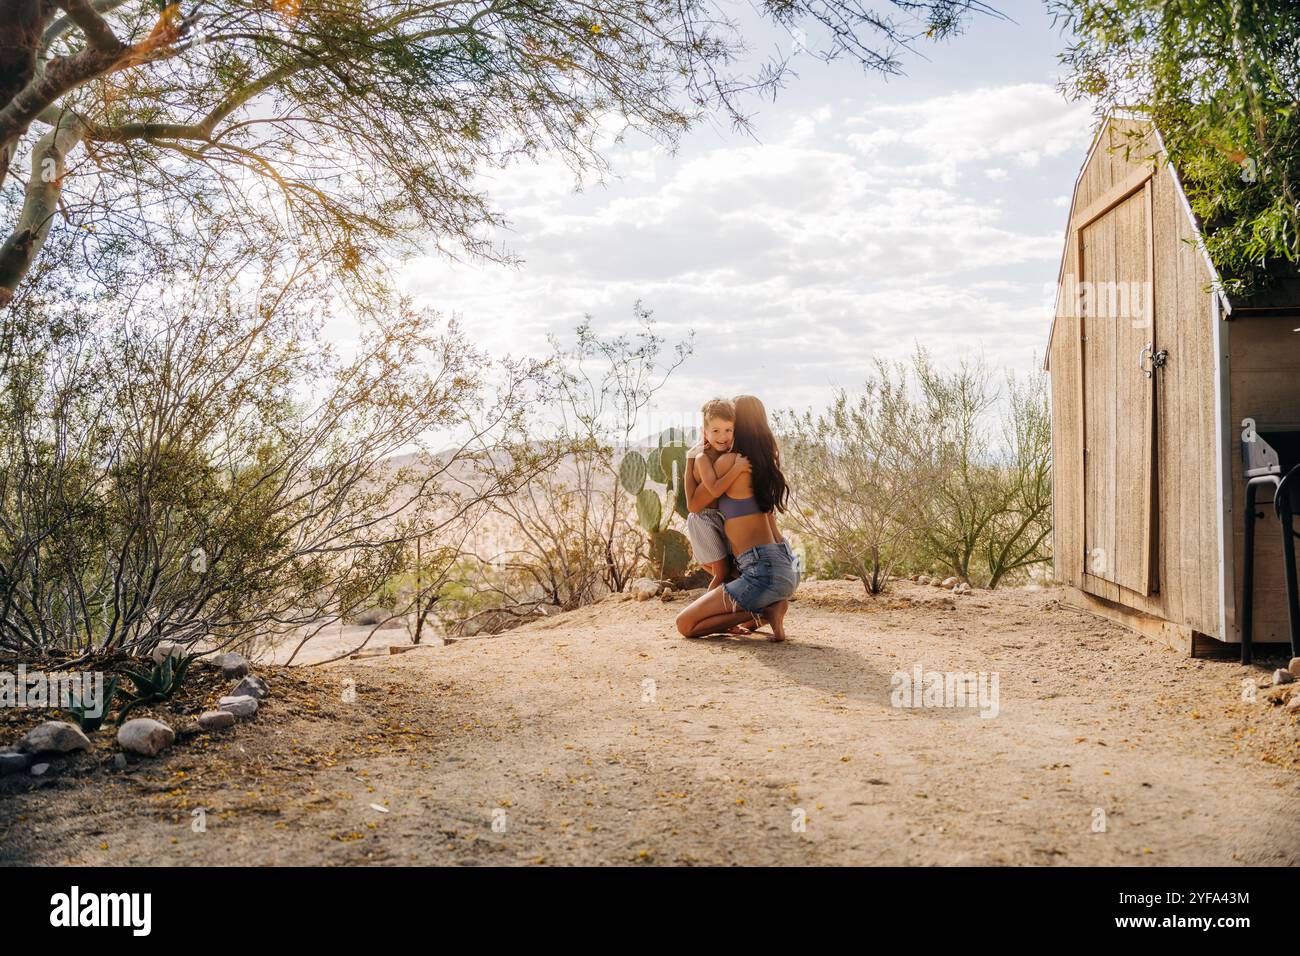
point(1221, 81)
point(357, 129)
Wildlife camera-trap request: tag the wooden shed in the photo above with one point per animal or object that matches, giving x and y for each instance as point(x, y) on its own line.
point(1153, 377)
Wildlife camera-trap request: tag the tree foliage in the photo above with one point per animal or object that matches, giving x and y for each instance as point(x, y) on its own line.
point(356, 129)
point(1221, 81)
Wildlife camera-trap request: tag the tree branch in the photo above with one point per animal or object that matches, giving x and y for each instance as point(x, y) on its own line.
point(62, 25)
point(40, 205)
point(96, 29)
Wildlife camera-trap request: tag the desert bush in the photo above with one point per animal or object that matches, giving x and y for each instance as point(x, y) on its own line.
point(989, 516)
point(573, 534)
point(859, 474)
point(925, 469)
point(206, 470)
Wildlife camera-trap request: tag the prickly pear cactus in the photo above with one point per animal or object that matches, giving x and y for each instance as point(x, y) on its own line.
point(670, 455)
point(648, 510)
point(631, 473)
point(670, 553)
point(654, 467)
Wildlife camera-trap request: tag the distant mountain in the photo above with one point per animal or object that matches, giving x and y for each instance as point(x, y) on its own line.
point(688, 435)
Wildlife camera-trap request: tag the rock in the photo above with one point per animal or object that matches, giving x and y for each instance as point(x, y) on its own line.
point(1293, 705)
point(239, 706)
point(39, 769)
point(165, 649)
point(216, 720)
point(145, 736)
point(1282, 677)
point(232, 664)
point(53, 736)
point(14, 763)
point(1294, 667)
point(643, 589)
point(252, 686)
point(667, 594)
point(951, 582)
point(922, 579)
point(119, 761)
point(936, 583)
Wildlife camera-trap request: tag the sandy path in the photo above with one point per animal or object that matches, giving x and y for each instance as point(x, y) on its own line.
point(555, 729)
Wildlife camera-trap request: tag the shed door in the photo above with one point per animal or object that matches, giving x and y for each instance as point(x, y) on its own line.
point(1115, 250)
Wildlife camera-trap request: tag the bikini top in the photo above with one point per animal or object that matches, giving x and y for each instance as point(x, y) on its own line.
point(737, 507)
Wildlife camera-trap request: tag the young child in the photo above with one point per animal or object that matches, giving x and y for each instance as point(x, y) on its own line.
point(704, 486)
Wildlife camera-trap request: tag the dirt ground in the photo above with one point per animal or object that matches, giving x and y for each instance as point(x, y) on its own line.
point(602, 737)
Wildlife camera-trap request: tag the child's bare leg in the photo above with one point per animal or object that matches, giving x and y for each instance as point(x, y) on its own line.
point(775, 615)
point(719, 571)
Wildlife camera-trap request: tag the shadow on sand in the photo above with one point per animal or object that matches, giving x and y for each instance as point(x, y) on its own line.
point(828, 670)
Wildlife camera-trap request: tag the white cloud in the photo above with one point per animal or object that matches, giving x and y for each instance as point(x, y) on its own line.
point(851, 233)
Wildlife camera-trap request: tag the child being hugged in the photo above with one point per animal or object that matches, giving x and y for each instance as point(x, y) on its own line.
point(704, 486)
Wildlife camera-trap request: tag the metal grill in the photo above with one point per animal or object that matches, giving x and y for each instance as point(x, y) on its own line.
point(1270, 459)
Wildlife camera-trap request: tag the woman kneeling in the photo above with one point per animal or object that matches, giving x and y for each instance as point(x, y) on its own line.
point(768, 576)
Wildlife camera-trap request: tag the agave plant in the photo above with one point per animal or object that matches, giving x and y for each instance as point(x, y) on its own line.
point(156, 685)
point(75, 708)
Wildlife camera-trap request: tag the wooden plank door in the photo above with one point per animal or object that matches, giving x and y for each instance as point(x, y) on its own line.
point(1118, 328)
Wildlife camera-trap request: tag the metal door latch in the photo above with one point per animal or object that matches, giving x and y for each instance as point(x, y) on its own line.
point(1157, 359)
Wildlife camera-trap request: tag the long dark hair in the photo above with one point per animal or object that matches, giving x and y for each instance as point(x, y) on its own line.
point(753, 438)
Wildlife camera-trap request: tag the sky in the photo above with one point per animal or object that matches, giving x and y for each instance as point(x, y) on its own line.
point(863, 216)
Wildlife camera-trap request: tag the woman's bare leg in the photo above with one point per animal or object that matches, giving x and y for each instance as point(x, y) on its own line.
point(710, 613)
point(775, 615)
point(722, 624)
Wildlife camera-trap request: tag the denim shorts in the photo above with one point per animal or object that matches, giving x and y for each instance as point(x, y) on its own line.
point(767, 575)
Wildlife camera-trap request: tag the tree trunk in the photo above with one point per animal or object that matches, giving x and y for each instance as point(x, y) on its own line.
point(22, 24)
